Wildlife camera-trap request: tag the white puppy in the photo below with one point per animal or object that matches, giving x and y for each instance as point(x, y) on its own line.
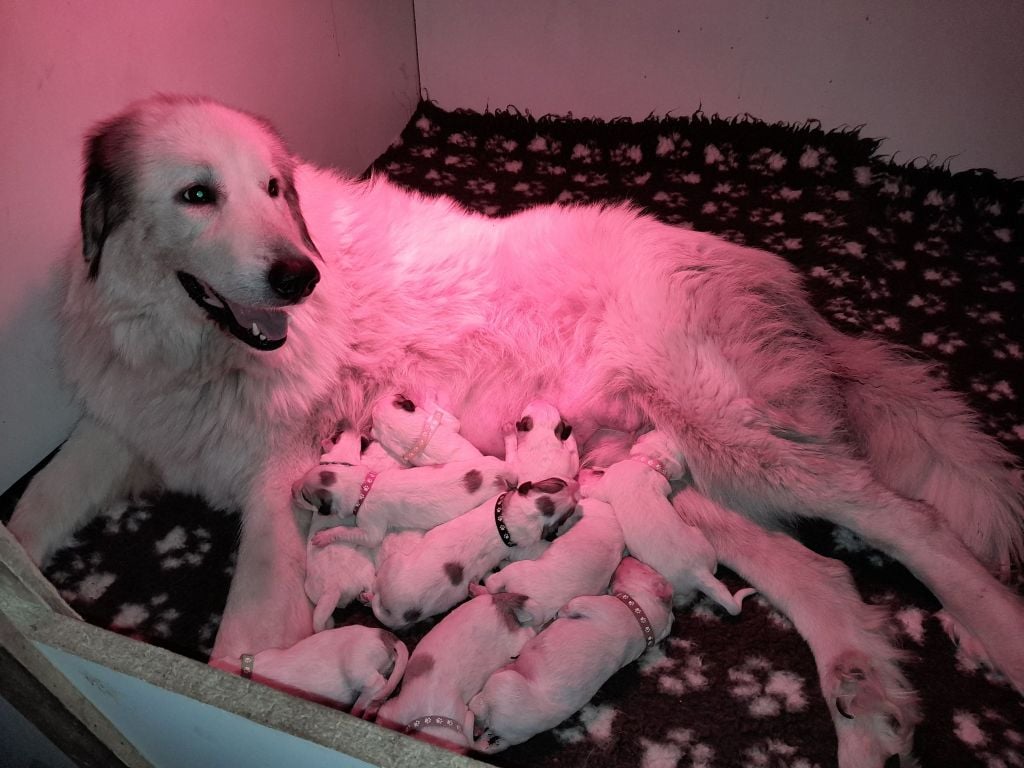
point(541, 444)
point(580, 561)
point(419, 435)
point(434, 574)
point(637, 489)
point(357, 666)
point(339, 573)
point(560, 669)
point(398, 499)
point(450, 665)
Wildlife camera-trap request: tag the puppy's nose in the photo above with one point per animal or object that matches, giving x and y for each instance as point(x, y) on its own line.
point(293, 277)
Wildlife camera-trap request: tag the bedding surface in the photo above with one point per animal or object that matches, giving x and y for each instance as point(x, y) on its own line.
point(902, 250)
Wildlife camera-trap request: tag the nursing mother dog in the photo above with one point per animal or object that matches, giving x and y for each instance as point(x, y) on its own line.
point(229, 304)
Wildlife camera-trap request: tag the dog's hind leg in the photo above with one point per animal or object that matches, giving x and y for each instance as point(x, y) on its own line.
point(917, 535)
point(94, 467)
point(870, 701)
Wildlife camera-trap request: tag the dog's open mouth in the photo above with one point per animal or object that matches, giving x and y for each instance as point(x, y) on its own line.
point(260, 328)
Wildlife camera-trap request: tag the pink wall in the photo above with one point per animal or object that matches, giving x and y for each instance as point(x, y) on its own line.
point(338, 78)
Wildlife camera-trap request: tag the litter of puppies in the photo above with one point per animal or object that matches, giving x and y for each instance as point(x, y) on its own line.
point(417, 520)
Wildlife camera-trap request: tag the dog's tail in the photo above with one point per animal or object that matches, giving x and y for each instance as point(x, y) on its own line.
point(924, 442)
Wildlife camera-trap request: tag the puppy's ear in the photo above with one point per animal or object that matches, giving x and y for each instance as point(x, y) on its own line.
point(106, 186)
point(475, 589)
point(403, 402)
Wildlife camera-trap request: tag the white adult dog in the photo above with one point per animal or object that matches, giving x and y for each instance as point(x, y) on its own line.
point(215, 331)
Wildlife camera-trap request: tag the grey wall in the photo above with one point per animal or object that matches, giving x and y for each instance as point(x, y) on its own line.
point(941, 77)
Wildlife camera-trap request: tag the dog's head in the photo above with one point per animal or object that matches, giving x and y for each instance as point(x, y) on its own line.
point(197, 201)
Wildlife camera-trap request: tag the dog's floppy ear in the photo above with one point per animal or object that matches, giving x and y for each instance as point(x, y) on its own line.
point(291, 197)
point(106, 187)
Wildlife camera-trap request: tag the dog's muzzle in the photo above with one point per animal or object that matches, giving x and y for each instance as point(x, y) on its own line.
point(259, 327)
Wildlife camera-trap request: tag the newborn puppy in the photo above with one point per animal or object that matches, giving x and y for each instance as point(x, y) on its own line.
point(541, 444)
point(337, 574)
point(397, 499)
point(637, 489)
point(579, 562)
point(357, 666)
point(450, 664)
point(435, 572)
point(420, 436)
point(560, 669)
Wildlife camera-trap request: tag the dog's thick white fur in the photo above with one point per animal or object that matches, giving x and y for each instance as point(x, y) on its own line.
point(560, 669)
point(193, 232)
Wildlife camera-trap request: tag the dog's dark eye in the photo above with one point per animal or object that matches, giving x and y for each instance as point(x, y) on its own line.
point(199, 194)
point(404, 403)
point(563, 430)
point(525, 424)
point(272, 188)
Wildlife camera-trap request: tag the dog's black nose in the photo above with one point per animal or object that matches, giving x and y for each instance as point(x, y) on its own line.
point(293, 277)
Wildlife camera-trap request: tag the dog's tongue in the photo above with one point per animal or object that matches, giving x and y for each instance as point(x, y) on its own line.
point(269, 323)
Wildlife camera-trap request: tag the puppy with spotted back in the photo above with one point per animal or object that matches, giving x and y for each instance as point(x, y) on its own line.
point(435, 572)
point(349, 666)
point(580, 561)
point(541, 444)
point(450, 665)
point(638, 489)
point(398, 499)
point(419, 435)
point(560, 669)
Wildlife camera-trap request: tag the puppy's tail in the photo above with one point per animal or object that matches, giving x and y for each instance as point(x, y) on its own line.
point(924, 442)
point(401, 660)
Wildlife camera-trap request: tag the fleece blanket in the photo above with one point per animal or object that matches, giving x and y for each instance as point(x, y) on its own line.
point(899, 248)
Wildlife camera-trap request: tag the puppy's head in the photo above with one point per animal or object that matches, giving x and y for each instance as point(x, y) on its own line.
point(540, 417)
point(189, 201)
point(554, 501)
point(640, 580)
point(398, 421)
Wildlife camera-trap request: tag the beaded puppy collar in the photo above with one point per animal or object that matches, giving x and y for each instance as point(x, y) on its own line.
point(639, 615)
point(437, 721)
point(657, 466)
point(430, 426)
point(364, 489)
point(499, 521)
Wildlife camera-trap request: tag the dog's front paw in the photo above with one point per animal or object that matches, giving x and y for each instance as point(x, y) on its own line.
point(874, 713)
